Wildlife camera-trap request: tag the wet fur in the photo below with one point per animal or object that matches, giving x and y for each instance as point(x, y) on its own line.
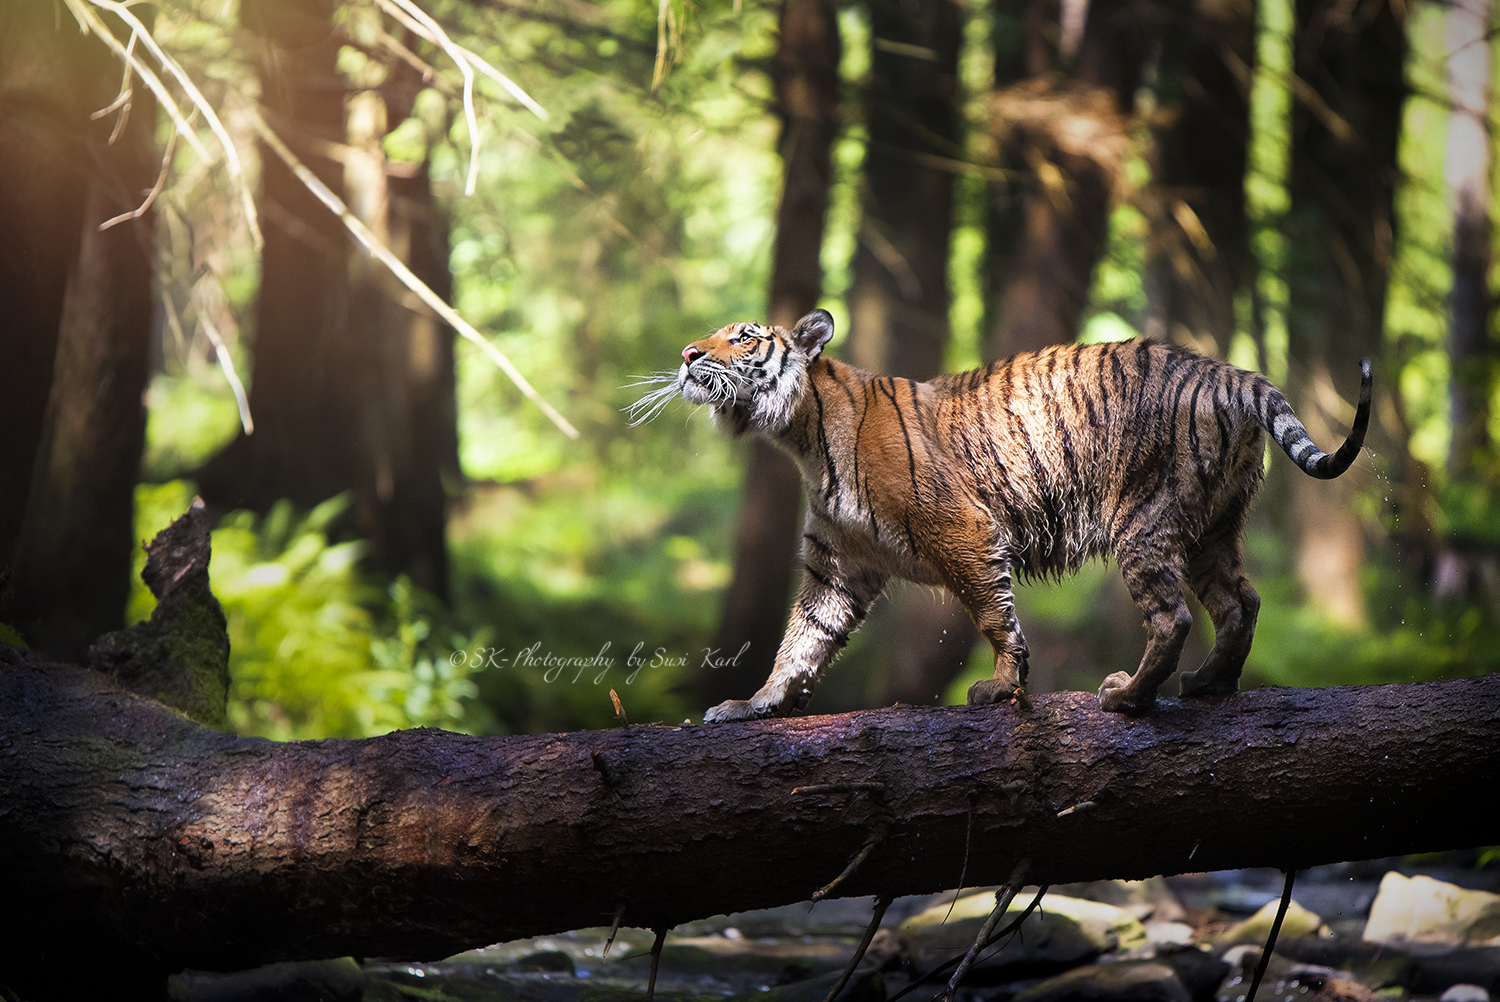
point(1141, 451)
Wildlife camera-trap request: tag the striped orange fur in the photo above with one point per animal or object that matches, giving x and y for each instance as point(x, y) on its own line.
point(1141, 451)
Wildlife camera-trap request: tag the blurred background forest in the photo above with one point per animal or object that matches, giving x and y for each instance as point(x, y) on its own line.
point(405, 537)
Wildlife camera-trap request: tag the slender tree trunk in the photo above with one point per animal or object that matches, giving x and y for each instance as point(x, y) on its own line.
point(1062, 138)
point(1024, 38)
point(70, 569)
point(899, 300)
point(45, 99)
point(1345, 127)
point(163, 844)
point(1197, 208)
point(807, 89)
point(408, 441)
point(301, 388)
point(1473, 351)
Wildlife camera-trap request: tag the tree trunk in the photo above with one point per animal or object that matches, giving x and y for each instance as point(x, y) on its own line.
point(1062, 138)
point(353, 381)
point(1197, 208)
point(70, 566)
point(1345, 128)
point(408, 441)
point(899, 300)
point(130, 828)
point(305, 359)
point(45, 100)
point(1472, 349)
point(807, 88)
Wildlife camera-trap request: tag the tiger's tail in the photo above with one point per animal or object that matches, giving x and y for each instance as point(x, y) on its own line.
point(1275, 414)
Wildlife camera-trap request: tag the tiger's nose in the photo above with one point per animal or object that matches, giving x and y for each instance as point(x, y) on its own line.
point(691, 354)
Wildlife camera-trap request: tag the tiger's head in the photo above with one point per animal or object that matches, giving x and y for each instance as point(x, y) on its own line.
point(752, 375)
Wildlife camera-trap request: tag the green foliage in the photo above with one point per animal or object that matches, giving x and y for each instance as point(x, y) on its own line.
point(315, 649)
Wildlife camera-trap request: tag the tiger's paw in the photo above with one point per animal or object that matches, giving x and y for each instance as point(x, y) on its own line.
point(990, 690)
point(1115, 695)
point(732, 709)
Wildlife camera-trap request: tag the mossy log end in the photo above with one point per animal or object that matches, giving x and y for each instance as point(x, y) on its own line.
point(133, 832)
point(181, 654)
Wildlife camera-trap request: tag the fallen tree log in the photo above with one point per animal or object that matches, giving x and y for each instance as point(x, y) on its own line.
point(165, 844)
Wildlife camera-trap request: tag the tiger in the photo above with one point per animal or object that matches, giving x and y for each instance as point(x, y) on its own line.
point(1140, 451)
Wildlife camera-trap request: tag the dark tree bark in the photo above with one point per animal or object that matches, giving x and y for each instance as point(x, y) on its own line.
point(1346, 123)
point(1473, 350)
point(305, 356)
point(126, 826)
point(1062, 139)
point(899, 300)
point(45, 101)
point(1197, 203)
point(807, 90)
point(70, 561)
point(408, 442)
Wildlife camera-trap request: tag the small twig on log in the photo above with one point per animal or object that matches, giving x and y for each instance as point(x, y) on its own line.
point(1265, 955)
point(882, 902)
point(613, 929)
point(661, 938)
point(798, 791)
point(614, 697)
point(1003, 897)
point(948, 964)
point(963, 870)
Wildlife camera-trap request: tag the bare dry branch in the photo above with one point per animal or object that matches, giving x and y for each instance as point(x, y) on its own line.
point(383, 254)
point(87, 19)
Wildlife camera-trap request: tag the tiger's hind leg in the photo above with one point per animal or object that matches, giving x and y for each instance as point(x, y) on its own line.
point(1153, 571)
point(1217, 575)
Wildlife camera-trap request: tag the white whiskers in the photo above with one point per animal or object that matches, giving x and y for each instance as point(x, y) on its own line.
point(652, 403)
point(711, 385)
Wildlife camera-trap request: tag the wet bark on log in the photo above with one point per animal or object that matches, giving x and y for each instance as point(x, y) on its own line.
point(128, 827)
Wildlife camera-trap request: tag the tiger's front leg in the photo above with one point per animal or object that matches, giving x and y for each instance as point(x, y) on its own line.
point(831, 602)
point(979, 573)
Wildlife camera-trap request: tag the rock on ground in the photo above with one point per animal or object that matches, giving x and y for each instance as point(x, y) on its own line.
point(1417, 912)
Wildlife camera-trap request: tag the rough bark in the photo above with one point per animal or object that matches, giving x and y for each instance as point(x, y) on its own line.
point(70, 566)
point(807, 89)
point(126, 826)
point(180, 656)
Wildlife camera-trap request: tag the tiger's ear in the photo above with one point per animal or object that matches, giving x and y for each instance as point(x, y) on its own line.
point(813, 332)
